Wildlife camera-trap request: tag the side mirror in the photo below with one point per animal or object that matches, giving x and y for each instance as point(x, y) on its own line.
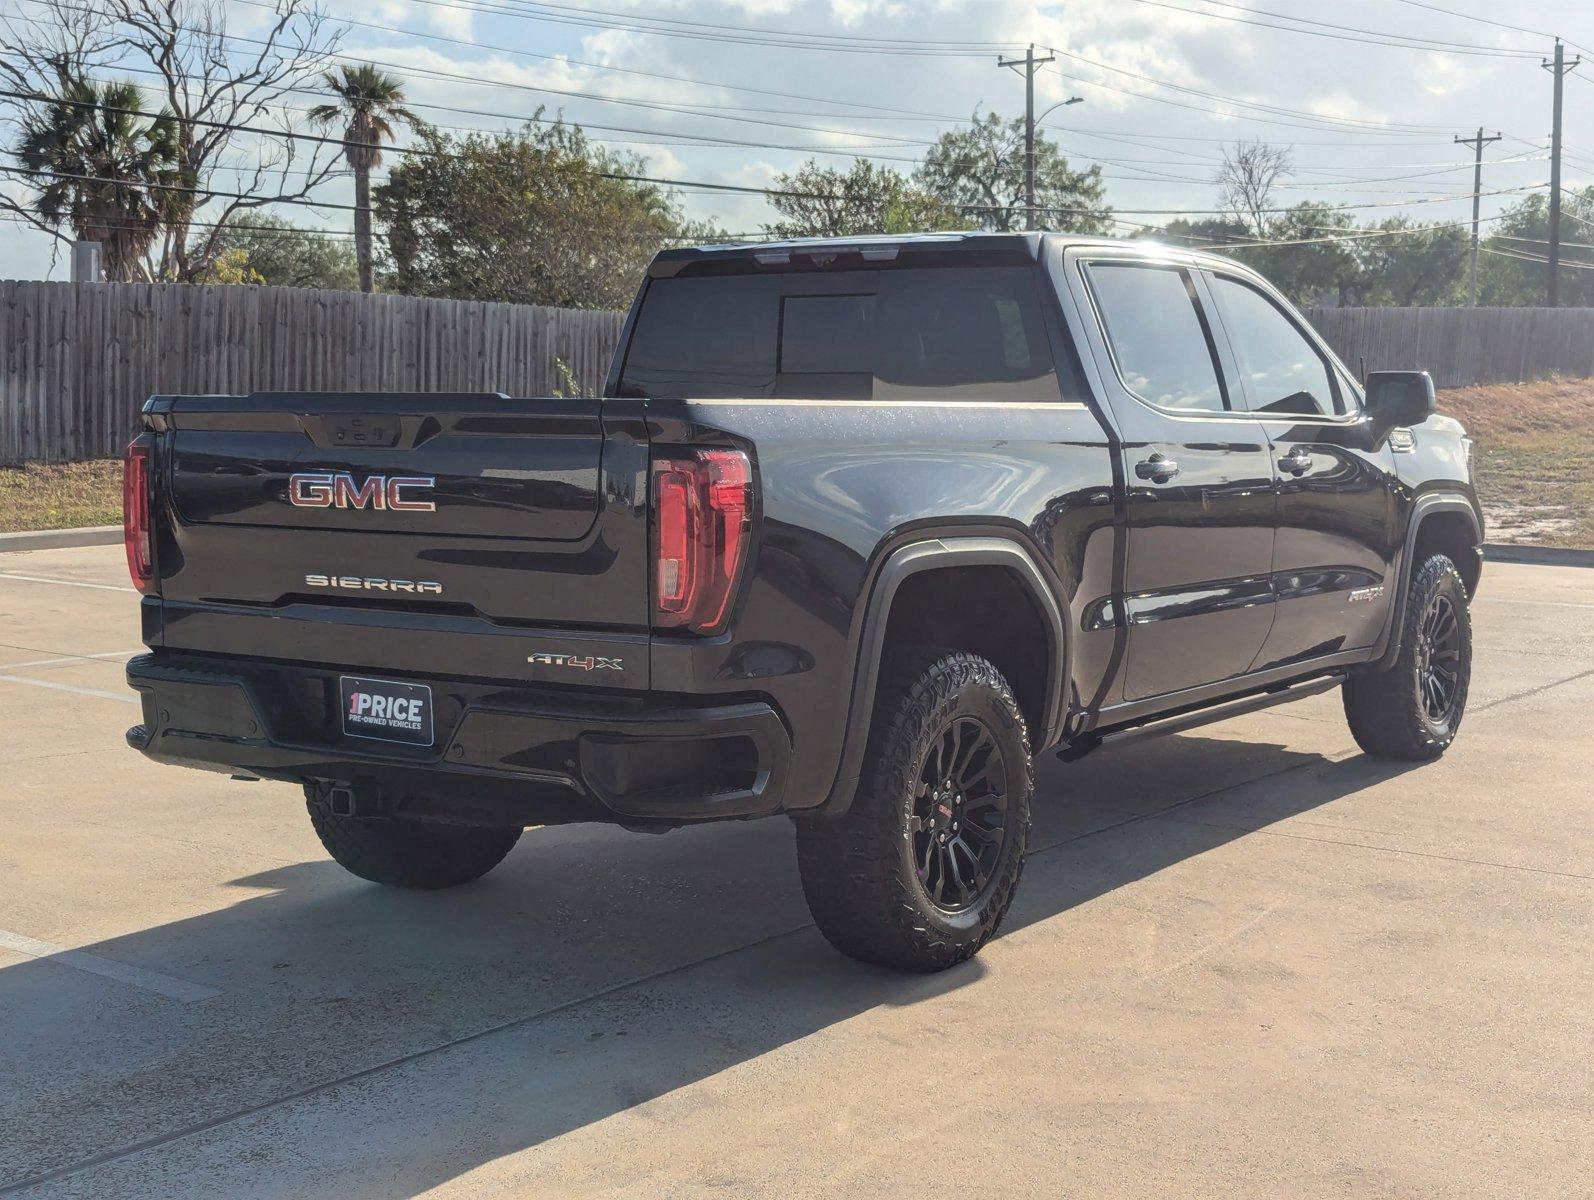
point(1399, 397)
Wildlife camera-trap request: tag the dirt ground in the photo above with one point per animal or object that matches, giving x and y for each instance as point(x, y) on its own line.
point(1534, 458)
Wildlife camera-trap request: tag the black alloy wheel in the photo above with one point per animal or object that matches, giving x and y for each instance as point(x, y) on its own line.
point(1437, 661)
point(922, 867)
point(959, 817)
point(1410, 710)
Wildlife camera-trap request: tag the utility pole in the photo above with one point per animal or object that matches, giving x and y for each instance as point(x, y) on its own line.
point(1559, 67)
point(1029, 62)
point(1477, 144)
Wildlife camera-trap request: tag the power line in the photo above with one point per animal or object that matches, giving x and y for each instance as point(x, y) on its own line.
point(1451, 12)
point(1274, 109)
point(1572, 266)
point(886, 111)
point(650, 105)
point(731, 34)
point(1343, 33)
point(1360, 236)
point(685, 185)
point(300, 230)
point(1324, 124)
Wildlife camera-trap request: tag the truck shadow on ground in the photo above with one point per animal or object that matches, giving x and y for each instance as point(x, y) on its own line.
point(383, 1043)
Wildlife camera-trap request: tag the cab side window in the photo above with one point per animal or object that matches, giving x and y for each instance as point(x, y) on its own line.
point(1159, 336)
point(1285, 372)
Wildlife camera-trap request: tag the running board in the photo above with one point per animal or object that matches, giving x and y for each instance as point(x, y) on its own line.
point(1194, 719)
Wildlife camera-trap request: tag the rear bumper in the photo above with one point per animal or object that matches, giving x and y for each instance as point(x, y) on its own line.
point(539, 755)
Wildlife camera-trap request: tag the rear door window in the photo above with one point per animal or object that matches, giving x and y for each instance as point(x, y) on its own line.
point(924, 332)
point(1159, 337)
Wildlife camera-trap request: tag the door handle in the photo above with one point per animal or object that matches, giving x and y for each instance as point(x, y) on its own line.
point(1297, 462)
point(1159, 468)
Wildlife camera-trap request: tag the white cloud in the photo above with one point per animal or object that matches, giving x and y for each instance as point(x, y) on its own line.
point(449, 20)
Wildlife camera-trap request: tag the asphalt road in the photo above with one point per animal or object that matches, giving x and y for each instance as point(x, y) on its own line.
point(1247, 961)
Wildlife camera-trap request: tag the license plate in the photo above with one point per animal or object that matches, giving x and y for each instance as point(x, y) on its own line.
point(387, 710)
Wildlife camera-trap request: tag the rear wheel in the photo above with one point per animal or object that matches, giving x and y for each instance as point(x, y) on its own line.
point(406, 853)
point(1412, 710)
point(920, 872)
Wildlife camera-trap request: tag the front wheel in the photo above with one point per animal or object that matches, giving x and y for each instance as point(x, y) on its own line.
point(407, 853)
point(1412, 710)
point(921, 870)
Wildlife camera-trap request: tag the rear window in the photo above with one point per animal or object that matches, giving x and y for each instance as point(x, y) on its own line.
point(932, 333)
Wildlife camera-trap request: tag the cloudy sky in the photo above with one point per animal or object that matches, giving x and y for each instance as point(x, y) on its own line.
point(696, 87)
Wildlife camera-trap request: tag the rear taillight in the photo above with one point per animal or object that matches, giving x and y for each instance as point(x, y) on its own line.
point(135, 516)
point(702, 514)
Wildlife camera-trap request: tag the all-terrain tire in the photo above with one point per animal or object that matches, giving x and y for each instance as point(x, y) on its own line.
point(1389, 714)
point(407, 853)
point(861, 872)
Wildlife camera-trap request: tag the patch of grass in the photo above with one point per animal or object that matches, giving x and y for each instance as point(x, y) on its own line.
point(1537, 491)
point(1533, 458)
point(61, 495)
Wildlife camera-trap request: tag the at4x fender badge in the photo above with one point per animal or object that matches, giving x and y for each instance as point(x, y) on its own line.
point(1366, 594)
point(580, 662)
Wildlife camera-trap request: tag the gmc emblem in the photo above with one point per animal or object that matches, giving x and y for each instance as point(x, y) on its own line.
point(337, 489)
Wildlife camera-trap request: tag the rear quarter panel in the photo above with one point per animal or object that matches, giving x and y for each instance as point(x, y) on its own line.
point(844, 483)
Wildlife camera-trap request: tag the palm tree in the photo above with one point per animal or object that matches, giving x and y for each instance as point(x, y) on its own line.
point(104, 171)
point(370, 103)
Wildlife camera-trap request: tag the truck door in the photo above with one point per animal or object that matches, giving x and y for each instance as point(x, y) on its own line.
point(1335, 480)
point(1198, 594)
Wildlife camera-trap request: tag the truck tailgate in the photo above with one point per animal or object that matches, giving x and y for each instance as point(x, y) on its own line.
point(473, 511)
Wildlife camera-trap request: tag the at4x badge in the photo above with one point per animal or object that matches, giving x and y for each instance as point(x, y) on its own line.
point(579, 662)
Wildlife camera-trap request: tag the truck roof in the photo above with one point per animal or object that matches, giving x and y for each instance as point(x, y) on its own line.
point(887, 247)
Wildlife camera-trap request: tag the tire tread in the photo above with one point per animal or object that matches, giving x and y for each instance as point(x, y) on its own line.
point(850, 866)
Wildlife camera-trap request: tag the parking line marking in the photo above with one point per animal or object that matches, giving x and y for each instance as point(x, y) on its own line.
point(78, 583)
point(70, 658)
point(120, 697)
point(150, 981)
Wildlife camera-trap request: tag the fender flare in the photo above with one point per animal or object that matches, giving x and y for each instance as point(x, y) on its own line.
point(1424, 508)
point(936, 553)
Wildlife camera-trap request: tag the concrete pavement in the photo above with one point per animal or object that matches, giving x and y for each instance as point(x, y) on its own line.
point(1243, 961)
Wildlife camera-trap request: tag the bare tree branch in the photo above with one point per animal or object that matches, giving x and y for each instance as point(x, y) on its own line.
point(1246, 179)
point(210, 78)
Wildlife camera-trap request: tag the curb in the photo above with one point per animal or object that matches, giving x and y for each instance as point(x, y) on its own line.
point(57, 539)
point(1545, 556)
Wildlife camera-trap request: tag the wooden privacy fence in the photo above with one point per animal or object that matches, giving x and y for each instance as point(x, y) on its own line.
point(1463, 346)
point(78, 360)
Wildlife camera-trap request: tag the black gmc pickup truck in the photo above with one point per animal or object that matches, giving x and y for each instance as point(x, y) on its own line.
point(856, 530)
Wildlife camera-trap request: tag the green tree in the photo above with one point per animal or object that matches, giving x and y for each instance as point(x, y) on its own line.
point(534, 216)
point(370, 105)
point(102, 171)
point(1513, 270)
point(1316, 254)
point(866, 199)
point(1203, 234)
point(1305, 259)
point(980, 171)
point(1415, 265)
point(268, 250)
